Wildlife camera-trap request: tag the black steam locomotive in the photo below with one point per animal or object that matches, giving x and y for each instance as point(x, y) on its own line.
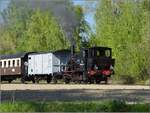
point(90, 65)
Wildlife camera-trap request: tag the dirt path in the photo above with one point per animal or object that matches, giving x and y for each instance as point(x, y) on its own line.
point(65, 86)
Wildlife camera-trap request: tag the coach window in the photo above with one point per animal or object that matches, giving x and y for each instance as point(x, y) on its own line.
point(4, 63)
point(0, 64)
point(9, 63)
point(17, 62)
point(13, 63)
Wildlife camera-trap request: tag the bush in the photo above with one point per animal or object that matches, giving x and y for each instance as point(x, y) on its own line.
point(139, 108)
point(102, 106)
point(147, 82)
point(127, 79)
point(18, 107)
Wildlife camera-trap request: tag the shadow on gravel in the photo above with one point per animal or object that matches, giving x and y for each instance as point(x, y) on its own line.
point(76, 95)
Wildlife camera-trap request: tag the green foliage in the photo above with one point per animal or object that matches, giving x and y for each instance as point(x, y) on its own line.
point(43, 33)
point(139, 108)
point(77, 106)
point(127, 79)
point(124, 26)
point(147, 82)
point(7, 43)
point(31, 29)
point(19, 107)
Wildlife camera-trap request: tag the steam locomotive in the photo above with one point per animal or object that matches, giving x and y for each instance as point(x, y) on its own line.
point(90, 65)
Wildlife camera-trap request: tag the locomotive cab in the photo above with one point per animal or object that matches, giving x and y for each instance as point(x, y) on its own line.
point(91, 65)
point(98, 64)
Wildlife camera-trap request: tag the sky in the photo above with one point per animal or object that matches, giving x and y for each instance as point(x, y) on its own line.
point(88, 5)
point(3, 5)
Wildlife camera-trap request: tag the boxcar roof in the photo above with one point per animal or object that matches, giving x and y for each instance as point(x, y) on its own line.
point(18, 55)
point(62, 50)
point(54, 52)
point(38, 53)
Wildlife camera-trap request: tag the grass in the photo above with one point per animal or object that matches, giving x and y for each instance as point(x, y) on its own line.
point(102, 106)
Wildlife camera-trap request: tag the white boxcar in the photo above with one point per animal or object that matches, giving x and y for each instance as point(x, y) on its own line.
point(42, 64)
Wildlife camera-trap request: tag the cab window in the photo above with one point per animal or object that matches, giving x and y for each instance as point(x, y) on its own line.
point(4, 63)
point(101, 53)
point(13, 63)
point(97, 53)
point(9, 63)
point(107, 53)
point(17, 62)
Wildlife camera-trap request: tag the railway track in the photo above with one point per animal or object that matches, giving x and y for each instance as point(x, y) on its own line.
point(74, 92)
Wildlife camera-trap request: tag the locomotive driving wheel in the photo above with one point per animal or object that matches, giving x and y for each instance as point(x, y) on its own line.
point(91, 80)
point(67, 78)
point(67, 81)
point(106, 80)
point(9, 81)
point(97, 81)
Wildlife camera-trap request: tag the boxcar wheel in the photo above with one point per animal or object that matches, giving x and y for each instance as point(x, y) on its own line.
point(98, 81)
point(9, 81)
point(49, 78)
point(23, 80)
point(33, 80)
point(37, 80)
point(55, 81)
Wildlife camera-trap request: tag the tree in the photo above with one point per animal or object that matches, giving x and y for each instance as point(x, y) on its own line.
point(20, 24)
point(7, 43)
point(122, 26)
point(43, 33)
point(15, 19)
point(23, 17)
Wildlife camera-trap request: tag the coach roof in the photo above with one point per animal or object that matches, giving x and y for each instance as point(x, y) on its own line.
point(18, 55)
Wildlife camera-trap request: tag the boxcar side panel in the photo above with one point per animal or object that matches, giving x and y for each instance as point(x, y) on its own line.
point(40, 64)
